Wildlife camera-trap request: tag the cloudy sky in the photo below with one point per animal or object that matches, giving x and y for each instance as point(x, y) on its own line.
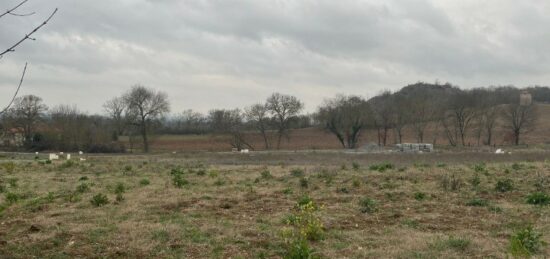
point(231, 53)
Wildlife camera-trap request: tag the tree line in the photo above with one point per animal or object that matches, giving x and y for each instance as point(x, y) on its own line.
point(456, 115)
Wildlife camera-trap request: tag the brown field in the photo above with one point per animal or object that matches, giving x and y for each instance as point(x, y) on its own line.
point(440, 205)
point(318, 139)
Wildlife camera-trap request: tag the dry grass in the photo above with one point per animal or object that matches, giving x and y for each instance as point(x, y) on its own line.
point(230, 209)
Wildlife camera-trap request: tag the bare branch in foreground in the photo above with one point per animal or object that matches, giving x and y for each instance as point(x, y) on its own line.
point(16, 91)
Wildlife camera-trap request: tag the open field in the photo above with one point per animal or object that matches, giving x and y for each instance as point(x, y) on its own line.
point(319, 139)
point(223, 205)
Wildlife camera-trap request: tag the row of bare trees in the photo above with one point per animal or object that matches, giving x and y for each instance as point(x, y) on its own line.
point(459, 115)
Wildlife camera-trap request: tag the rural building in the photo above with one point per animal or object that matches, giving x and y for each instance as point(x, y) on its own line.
point(525, 98)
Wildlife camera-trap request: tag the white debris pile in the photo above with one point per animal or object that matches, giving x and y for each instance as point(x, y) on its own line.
point(245, 151)
point(54, 157)
point(499, 151)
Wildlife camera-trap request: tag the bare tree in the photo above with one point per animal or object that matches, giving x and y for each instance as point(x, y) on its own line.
point(383, 116)
point(284, 108)
point(143, 105)
point(13, 12)
point(422, 110)
point(230, 122)
point(459, 117)
point(258, 116)
point(345, 117)
point(401, 115)
point(115, 110)
point(520, 119)
point(25, 113)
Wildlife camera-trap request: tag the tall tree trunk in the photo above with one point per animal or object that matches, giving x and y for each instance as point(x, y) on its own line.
point(144, 135)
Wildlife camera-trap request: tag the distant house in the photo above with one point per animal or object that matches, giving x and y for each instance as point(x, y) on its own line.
point(525, 98)
point(13, 137)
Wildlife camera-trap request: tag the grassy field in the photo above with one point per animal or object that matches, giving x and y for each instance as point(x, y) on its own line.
point(272, 205)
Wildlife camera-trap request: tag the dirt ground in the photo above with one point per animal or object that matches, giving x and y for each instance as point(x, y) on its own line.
point(225, 205)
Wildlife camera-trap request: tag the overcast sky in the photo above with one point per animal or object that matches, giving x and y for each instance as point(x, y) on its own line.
point(231, 53)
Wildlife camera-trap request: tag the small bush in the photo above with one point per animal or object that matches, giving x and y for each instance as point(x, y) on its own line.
point(128, 168)
point(304, 182)
point(298, 249)
point(381, 167)
point(419, 196)
point(179, 181)
point(525, 242)
point(120, 188)
point(83, 178)
point(538, 198)
point(368, 205)
point(477, 202)
point(82, 188)
point(458, 243)
point(505, 185)
point(305, 199)
point(13, 182)
point(67, 164)
point(99, 200)
point(475, 181)
point(480, 168)
point(265, 174)
point(517, 166)
point(144, 182)
point(356, 166)
point(11, 197)
point(297, 172)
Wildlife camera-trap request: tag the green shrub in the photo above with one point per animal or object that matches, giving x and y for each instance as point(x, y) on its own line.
point(83, 178)
point(13, 182)
point(419, 196)
point(82, 188)
point(475, 180)
point(480, 168)
point(381, 167)
point(355, 166)
point(477, 202)
point(179, 181)
point(144, 182)
point(99, 200)
point(538, 198)
point(368, 205)
point(120, 188)
point(517, 166)
point(298, 249)
point(265, 174)
point(297, 172)
point(505, 185)
point(305, 199)
point(304, 182)
point(128, 168)
point(67, 164)
point(11, 197)
point(525, 242)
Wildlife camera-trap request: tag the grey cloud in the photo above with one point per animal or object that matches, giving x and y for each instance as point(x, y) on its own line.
point(238, 51)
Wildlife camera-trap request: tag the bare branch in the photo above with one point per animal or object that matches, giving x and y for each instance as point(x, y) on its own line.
point(10, 11)
point(28, 36)
point(16, 91)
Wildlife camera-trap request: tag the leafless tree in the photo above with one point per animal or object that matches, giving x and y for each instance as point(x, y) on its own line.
point(230, 122)
point(143, 106)
point(25, 113)
point(383, 116)
point(345, 117)
point(520, 119)
point(422, 110)
point(459, 117)
point(258, 116)
point(115, 110)
point(13, 12)
point(401, 115)
point(284, 108)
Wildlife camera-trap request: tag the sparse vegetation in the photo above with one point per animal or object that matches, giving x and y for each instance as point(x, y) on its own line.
point(256, 209)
